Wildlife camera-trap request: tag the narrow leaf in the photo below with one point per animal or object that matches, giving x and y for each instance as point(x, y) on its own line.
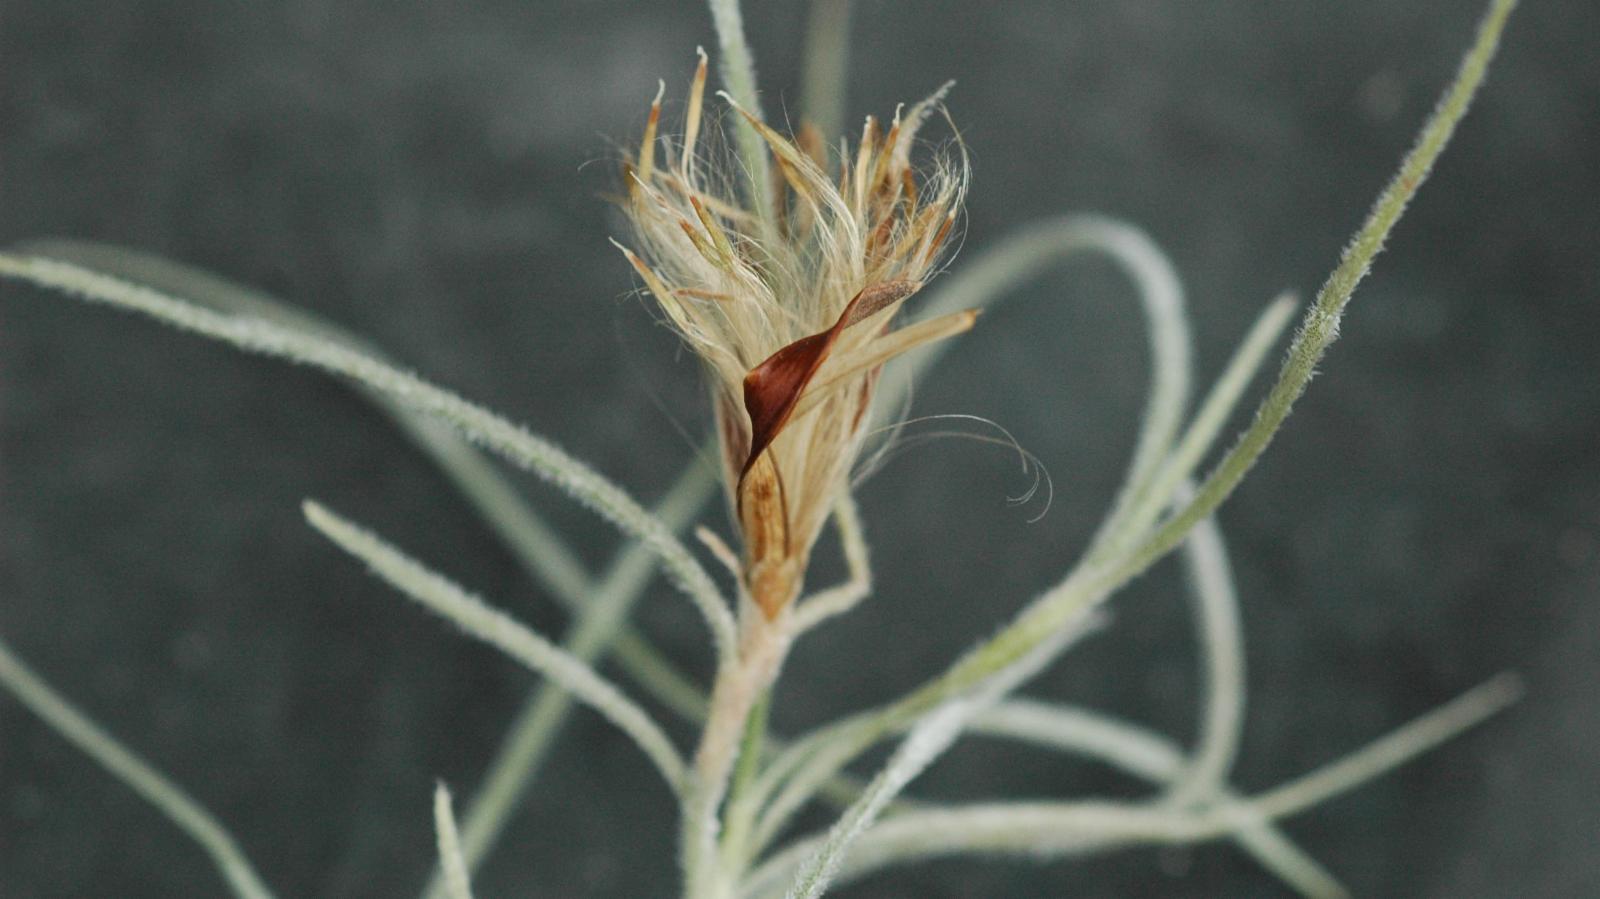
point(456, 881)
point(496, 628)
point(514, 443)
point(125, 765)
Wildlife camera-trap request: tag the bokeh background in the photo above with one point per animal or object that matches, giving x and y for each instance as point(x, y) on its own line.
point(431, 175)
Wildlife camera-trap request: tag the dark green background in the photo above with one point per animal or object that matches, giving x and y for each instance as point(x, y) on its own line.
point(418, 172)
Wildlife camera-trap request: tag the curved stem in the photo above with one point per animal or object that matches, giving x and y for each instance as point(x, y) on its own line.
point(494, 433)
point(857, 586)
point(543, 553)
point(1320, 327)
point(1155, 495)
point(1045, 829)
point(1222, 663)
point(1031, 251)
point(1148, 756)
point(531, 736)
point(490, 625)
point(932, 736)
point(166, 796)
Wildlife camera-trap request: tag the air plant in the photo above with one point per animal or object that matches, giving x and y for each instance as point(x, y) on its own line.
point(785, 262)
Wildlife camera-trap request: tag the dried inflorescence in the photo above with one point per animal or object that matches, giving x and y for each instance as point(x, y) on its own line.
point(788, 297)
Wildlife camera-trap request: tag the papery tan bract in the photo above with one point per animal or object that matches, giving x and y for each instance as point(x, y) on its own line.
point(790, 308)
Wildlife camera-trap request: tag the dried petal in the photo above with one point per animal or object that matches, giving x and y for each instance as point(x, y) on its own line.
point(691, 123)
point(647, 147)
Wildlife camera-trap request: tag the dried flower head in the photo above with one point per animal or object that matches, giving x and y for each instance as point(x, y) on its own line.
point(789, 302)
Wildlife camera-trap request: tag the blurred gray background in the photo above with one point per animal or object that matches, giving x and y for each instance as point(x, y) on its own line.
point(420, 173)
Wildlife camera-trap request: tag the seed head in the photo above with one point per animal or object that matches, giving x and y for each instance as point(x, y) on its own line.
point(790, 304)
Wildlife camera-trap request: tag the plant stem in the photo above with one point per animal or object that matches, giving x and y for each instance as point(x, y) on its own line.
point(593, 632)
point(1053, 828)
point(169, 798)
point(827, 59)
point(1321, 324)
point(737, 66)
point(490, 625)
point(514, 443)
point(739, 685)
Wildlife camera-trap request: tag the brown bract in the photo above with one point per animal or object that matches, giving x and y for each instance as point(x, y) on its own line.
point(773, 388)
